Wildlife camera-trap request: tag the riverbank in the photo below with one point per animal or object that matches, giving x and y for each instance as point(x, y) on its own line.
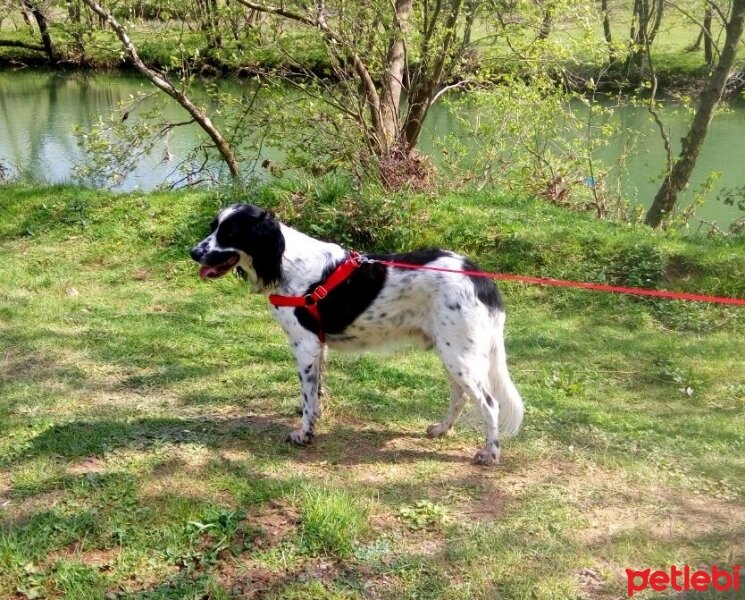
point(298, 54)
point(142, 412)
point(42, 110)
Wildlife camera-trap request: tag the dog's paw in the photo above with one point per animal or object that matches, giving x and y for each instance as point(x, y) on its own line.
point(438, 430)
point(486, 457)
point(300, 437)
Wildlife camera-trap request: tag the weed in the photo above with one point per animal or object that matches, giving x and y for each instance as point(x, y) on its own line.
point(685, 378)
point(331, 523)
point(423, 514)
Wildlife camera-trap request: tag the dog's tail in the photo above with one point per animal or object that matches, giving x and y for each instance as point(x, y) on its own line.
point(511, 407)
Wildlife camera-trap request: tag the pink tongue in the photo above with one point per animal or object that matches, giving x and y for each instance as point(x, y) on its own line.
point(205, 272)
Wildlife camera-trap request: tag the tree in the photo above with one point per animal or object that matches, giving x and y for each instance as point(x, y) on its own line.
point(163, 83)
point(705, 34)
point(37, 11)
point(607, 33)
point(383, 52)
point(645, 23)
point(677, 178)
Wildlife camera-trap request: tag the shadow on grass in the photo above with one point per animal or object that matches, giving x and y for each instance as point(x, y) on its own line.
point(261, 436)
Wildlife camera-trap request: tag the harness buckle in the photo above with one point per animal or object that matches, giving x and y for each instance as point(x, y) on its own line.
point(320, 293)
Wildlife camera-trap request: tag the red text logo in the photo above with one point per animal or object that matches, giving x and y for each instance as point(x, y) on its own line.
point(683, 580)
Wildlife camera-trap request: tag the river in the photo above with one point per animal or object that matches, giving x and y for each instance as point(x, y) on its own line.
point(38, 111)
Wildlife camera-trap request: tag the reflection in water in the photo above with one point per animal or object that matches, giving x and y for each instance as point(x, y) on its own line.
point(38, 111)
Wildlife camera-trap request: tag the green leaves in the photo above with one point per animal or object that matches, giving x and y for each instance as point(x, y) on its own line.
point(422, 515)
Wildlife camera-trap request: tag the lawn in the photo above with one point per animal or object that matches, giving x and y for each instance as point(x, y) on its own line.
point(143, 412)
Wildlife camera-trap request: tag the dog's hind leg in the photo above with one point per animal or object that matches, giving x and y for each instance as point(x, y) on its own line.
point(457, 403)
point(467, 362)
point(478, 389)
point(309, 356)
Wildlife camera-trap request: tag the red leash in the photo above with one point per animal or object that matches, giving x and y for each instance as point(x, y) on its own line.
point(349, 266)
point(571, 284)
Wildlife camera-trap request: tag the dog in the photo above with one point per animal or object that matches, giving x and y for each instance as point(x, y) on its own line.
point(459, 315)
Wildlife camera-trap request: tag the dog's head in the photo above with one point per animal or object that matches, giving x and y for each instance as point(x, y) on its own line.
point(246, 237)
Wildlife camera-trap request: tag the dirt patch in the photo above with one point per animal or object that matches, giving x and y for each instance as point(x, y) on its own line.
point(86, 465)
point(249, 579)
point(661, 514)
point(100, 559)
point(274, 522)
point(17, 510)
point(490, 506)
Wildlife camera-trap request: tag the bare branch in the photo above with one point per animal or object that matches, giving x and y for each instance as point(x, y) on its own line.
point(162, 82)
point(704, 30)
point(368, 83)
point(448, 88)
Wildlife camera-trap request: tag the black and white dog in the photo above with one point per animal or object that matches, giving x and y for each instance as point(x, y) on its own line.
point(462, 317)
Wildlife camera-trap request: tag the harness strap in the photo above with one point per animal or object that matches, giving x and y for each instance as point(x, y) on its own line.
point(310, 301)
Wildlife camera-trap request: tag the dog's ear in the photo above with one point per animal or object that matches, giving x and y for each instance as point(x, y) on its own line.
point(266, 245)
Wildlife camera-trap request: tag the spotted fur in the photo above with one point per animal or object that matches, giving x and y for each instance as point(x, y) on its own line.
point(461, 317)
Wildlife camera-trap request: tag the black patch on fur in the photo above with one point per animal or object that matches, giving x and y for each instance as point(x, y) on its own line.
point(489, 400)
point(455, 306)
point(419, 257)
point(486, 290)
point(257, 233)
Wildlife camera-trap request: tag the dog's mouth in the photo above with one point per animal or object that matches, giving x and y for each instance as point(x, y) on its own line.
point(215, 271)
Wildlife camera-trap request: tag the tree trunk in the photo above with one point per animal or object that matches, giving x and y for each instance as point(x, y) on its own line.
point(696, 45)
point(706, 32)
point(546, 24)
point(27, 17)
point(162, 83)
point(394, 78)
point(667, 196)
point(636, 37)
point(210, 22)
point(421, 94)
point(471, 10)
point(41, 22)
point(73, 12)
point(645, 24)
point(607, 30)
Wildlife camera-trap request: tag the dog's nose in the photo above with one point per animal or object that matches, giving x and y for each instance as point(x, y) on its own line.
point(196, 253)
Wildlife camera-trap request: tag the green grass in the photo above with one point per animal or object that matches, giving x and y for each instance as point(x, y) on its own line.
point(142, 413)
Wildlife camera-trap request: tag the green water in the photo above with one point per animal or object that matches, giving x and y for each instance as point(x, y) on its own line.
point(38, 111)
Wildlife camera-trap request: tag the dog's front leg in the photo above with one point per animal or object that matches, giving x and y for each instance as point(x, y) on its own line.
point(309, 357)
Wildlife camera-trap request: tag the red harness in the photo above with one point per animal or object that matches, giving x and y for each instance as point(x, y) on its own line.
point(310, 301)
